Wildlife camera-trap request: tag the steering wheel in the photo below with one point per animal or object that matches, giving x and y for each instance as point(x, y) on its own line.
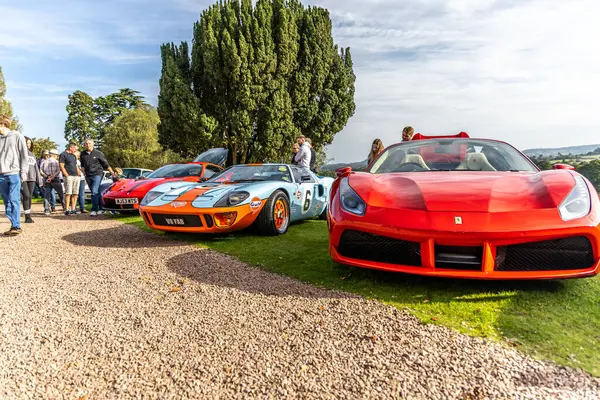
point(410, 167)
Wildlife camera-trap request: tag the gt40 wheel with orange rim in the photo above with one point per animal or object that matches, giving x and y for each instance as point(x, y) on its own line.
point(274, 218)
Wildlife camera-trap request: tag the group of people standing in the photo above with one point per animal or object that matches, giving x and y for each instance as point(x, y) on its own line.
point(20, 172)
point(377, 147)
point(304, 155)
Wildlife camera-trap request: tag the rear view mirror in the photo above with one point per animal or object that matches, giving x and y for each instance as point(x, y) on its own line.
point(563, 166)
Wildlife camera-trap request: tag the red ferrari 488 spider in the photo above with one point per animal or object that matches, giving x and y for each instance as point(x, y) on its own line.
point(454, 206)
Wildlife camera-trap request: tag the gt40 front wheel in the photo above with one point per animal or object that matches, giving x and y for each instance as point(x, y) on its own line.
point(274, 218)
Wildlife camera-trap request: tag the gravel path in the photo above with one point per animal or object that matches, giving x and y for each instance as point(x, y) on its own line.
point(91, 308)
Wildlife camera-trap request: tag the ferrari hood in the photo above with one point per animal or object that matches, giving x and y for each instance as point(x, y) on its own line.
point(464, 191)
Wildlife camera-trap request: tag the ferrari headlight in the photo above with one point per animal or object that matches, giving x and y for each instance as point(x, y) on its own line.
point(232, 199)
point(350, 201)
point(150, 197)
point(577, 204)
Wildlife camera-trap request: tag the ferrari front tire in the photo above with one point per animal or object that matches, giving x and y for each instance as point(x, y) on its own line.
point(274, 218)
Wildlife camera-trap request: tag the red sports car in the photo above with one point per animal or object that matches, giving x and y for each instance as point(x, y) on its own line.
point(126, 194)
point(454, 206)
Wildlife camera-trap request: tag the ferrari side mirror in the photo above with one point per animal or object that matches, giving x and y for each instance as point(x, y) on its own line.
point(343, 171)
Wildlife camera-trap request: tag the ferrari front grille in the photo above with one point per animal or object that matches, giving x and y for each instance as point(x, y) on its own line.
point(459, 257)
point(176, 220)
point(570, 253)
point(370, 247)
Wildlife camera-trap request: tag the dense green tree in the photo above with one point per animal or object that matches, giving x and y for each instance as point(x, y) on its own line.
point(80, 124)
point(108, 108)
point(90, 118)
point(258, 77)
point(42, 144)
point(183, 128)
point(591, 170)
point(132, 140)
point(6, 106)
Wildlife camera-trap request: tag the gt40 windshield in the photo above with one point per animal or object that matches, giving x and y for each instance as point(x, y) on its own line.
point(177, 171)
point(253, 173)
point(451, 155)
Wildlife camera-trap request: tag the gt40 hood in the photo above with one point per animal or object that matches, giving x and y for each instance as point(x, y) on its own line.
point(464, 191)
point(202, 195)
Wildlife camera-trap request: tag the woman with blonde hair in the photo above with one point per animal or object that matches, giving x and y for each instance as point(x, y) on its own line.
point(376, 148)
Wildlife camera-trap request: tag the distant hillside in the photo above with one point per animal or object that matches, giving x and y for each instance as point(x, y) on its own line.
point(355, 165)
point(546, 152)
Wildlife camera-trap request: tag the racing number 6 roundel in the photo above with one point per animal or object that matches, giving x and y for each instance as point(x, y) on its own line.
point(307, 200)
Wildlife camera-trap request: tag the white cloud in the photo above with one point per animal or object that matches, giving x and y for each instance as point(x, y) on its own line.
point(524, 72)
point(106, 31)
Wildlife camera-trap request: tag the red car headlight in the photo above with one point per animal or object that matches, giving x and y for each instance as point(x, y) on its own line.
point(350, 200)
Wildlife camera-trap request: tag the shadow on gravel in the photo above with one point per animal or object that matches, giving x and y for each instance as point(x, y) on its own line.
point(119, 237)
point(218, 269)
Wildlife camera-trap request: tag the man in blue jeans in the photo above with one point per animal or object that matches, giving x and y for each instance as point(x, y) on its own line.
point(14, 165)
point(93, 163)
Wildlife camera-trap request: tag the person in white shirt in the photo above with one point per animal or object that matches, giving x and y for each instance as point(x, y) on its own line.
point(303, 155)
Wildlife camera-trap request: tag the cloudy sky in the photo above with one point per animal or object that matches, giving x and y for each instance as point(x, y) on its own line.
point(524, 71)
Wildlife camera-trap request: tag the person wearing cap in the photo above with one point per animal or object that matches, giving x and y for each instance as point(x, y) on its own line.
point(14, 166)
point(45, 156)
point(50, 170)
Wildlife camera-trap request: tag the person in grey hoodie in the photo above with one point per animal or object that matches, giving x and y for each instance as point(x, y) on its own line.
point(33, 177)
point(14, 166)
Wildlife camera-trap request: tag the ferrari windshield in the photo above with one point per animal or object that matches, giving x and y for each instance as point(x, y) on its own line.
point(253, 173)
point(177, 171)
point(451, 155)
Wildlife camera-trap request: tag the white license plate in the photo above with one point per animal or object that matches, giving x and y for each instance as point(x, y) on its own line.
point(133, 200)
point(174, 221)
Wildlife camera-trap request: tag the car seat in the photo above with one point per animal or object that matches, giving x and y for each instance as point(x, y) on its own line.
point(475, 162)
point(416, 159)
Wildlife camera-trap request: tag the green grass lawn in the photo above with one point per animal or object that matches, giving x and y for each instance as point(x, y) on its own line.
point(557, 320)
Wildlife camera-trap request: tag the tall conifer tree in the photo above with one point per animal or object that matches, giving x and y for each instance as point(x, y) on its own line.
point(258, 77)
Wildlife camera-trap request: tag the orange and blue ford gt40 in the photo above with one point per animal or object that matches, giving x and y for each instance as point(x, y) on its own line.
point(270, 196)
point(465, 208)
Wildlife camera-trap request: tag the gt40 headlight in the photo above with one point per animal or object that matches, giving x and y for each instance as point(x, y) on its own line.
point(150, 197)
point(232, 199)
point(350, 201)
point(577, 204)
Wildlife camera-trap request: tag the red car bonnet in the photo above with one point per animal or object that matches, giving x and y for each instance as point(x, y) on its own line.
point(464, 191)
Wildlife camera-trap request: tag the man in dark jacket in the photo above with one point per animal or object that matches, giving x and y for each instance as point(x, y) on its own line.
point(313, 155)
point(93, 163)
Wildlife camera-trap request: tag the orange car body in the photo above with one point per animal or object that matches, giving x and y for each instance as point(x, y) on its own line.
point(205, 220)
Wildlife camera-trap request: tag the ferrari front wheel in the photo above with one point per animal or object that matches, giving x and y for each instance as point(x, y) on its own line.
point(274, 218)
